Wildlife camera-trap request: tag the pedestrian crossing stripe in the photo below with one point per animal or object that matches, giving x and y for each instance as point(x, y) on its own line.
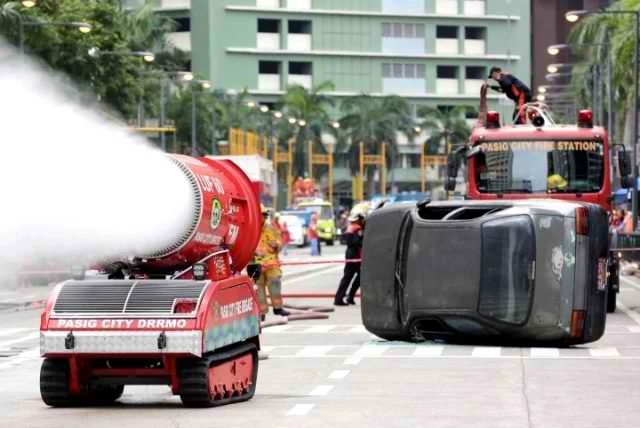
point(360, 329)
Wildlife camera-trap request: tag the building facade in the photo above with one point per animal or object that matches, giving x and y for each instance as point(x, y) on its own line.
point(433, 52)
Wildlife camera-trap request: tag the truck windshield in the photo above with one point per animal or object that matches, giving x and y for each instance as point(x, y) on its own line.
point(540, 167)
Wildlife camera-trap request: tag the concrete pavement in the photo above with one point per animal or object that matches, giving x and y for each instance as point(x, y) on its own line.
point(334, 373)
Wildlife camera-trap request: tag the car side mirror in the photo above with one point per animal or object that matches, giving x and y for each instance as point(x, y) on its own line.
point(453, 164)
point(624, 163)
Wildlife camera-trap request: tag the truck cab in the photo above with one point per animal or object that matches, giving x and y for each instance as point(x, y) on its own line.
point(540, 159)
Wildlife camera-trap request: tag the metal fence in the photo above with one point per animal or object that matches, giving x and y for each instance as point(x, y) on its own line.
point(626, 244)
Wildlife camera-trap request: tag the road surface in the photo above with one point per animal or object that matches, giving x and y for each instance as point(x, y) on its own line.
point(333, 373)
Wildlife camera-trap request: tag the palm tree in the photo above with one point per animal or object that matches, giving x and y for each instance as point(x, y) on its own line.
point(312, 107)
point(147, 30)
point(373, 121)
point(618, 31)
point(445, 127)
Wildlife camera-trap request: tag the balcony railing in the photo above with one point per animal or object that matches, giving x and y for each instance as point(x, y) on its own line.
point(472, 86)
point(269, 82)
point(447, 86)
point(181, 40)
point(268, 41)
point(474, 7)
point(299, 4)
point(272, 4)
point(447, 7)
point(447, 46)
point(299, 42)
point(304, 80)
point(475, 47)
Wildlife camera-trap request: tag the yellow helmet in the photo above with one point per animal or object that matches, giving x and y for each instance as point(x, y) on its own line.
point(556, 181)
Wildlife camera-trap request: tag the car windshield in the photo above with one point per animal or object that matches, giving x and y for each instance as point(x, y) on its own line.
point(324, 211)
point(540, 167)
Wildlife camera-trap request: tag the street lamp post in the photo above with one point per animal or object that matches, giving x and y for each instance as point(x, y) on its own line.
point(83, 27)
point(573, 16)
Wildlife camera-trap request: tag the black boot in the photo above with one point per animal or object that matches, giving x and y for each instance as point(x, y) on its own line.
point(263, 317)
point(351, 301)
point(340, 303)
point(282, 312)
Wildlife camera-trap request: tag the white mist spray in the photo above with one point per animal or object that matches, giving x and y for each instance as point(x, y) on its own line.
point(73, 185)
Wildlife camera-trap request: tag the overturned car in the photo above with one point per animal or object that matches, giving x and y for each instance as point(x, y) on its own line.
point(518, 271)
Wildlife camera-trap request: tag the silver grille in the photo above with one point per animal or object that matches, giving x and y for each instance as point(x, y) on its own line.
point(127, 297)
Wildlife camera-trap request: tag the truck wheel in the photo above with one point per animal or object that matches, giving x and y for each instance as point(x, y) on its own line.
point(219, 378)
point(611, 301)
point(104, 395)
point(330, 242)
point(54, 383)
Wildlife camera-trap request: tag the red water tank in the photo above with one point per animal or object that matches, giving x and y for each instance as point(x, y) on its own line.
point(226, 215)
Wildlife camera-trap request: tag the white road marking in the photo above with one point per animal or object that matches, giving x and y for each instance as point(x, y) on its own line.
point(339, 374)
point(276, 328)
point(428, 351)
point(633, 315)
point(486, 351)
point(319, 329)
point(352, 361)
point(545, 352)
point(30, 336)
point(10, 331)
point(370, 350)
point(321, 390)
point(312, 275)
point(313, 351)
point(7, 300)
point(358, 329)
point(300, 409)
point(604, 352)
point(634, 328)
point(267, 348)
point(30, 354)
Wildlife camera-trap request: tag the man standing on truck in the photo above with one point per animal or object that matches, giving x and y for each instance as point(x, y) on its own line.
point(514, 89)
point(353, 237)
point(265, 268)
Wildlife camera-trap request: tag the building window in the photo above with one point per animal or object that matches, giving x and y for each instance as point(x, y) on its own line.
point(269, 75)
point(268, 34)
point(474, 79)
point(183, 24)
point(299, 37)
point(447, 79)
point(300, 73)
point(406, 31)
point(403, 78)
point(475, 40)
point(447, 40)
point(447, 72)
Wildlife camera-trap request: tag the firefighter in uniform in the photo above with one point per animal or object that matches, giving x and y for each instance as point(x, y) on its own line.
point(353, 238)
point(265, 267)
point(514, 89)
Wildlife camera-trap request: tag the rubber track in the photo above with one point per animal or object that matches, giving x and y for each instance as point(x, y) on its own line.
point(54, 383)
point(194, 375)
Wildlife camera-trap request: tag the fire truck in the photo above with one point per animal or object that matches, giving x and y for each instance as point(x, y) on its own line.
point(541, 159)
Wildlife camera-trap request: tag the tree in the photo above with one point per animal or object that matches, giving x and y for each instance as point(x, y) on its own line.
point(445, 127)
point(374, 121)
point(311, 106)
point(618, 31)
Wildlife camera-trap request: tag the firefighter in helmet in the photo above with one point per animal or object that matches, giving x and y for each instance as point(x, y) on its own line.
point(265, 267)
point(353, 238)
